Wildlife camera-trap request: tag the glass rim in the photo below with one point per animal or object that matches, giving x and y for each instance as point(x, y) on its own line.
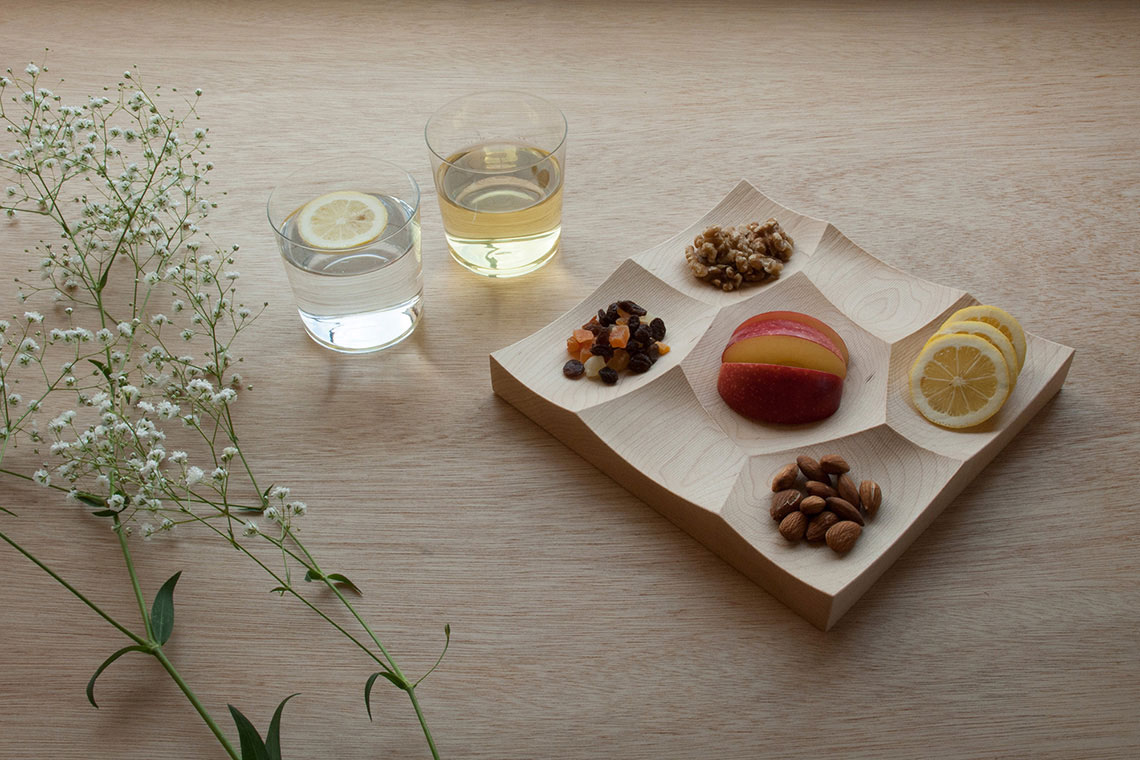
point(549, 155)
point(388, 232)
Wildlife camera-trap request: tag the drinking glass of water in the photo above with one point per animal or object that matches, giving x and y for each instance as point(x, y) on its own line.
point(498, 159)
point(349, 234)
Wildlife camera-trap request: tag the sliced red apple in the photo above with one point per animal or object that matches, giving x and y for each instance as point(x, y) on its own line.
point(787, 343)
point(806, 319)
point(779, 394)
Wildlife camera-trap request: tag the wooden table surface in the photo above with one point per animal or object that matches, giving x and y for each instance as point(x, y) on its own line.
point(993, 148)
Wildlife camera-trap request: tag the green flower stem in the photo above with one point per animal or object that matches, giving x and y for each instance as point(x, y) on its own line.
point(190, 695)
point(76, 592)
point(134, 576)
point(423, 721)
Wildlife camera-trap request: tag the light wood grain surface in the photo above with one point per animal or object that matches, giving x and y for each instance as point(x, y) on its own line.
point(991, 148)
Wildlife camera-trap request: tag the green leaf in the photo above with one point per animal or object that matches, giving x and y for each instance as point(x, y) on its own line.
point(341, 580)
point(106, 664)
point(103, 279)
point(402, 685)
point(252, 747)
point(162, 612)
point(101, 366)
point(104, 513)
point(276, 589)
point(91, 499)
point(273, 738)
point(313, 575)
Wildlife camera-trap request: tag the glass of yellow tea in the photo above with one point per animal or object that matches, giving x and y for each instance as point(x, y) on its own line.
point(349, 233)
point(498, 159)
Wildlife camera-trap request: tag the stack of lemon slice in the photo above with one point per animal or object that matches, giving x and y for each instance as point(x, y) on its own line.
point(966, 371)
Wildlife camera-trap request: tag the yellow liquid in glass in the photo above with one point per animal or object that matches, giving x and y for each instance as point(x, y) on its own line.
point(502, 207)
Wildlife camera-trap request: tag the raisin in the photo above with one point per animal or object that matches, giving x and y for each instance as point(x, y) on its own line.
point(593, 327)
point(573, 368)
point(603, 338)
point(653, 353)
point(657, 328)
point(633, 323)
point(605, 352)
point(609, 375)
point(612, 314)
point(639, 363)
point(603, 318)
point(643, 335)
point(632, 308)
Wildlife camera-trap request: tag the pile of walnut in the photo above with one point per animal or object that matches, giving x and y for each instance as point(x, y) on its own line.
point(731, 256)
point(831, 512)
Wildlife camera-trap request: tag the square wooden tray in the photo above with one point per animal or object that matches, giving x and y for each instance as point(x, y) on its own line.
point(668, 437)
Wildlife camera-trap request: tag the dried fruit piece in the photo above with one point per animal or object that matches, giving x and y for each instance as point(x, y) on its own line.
point(871, 496)
point(841, 537)
point(619, 336)
point(833, 464)
point(811, 469)
point(786, 477)
point(600, 350)
point(844, 509)
point(793, 526)
point(608, 375)
point(573, 368)
point(639, 363)
point(662, 348)
point(784, 503)
point(848, 490)
point(657, 328)
point(620, 360)
point(818, 525)
point(583, 336)
point(815, 488)
point(629, 307)
point(594, 365)
point(813, 505)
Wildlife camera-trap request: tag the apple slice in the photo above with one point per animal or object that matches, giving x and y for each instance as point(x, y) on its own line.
point(806, 319)
point(792, 344)
point(779, 394)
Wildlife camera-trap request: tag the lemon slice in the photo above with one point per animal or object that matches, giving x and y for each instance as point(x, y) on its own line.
point(958, 381)
point(343, 219)
point(993, 335)
point(999, 318)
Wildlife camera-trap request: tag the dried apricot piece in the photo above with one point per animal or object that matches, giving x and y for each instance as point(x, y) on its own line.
point(573, 347)
point(619, 336)
point(584, 336)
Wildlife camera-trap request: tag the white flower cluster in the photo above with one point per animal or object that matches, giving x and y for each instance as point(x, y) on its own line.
point(127, 193)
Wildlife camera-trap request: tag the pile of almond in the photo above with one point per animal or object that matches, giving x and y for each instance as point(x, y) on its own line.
point(825, 510)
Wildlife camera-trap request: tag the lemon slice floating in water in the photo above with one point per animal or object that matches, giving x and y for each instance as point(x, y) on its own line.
point(344, 219)
point(959, 380)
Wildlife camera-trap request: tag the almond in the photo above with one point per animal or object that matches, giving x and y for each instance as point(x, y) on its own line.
point(785, 478)
point(793, 526)
point(841, 536)
point(813, 505)
point(871, 495)
point(810, 468)
point(815, 488)
point(833, 464)
point(848, 490)
point(785, 502)
point(817, 527)
point(844, 509)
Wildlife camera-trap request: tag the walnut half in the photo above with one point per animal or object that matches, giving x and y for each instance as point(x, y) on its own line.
point(728, 257)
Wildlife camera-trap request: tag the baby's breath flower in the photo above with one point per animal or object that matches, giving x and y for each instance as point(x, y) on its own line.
point(33, 317)
point(125, 329)
point(251, 528)
point(42, 476)
point(193, 475)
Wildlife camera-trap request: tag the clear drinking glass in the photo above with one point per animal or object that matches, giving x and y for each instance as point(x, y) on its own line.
point(498, 159)
point(349, 234)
